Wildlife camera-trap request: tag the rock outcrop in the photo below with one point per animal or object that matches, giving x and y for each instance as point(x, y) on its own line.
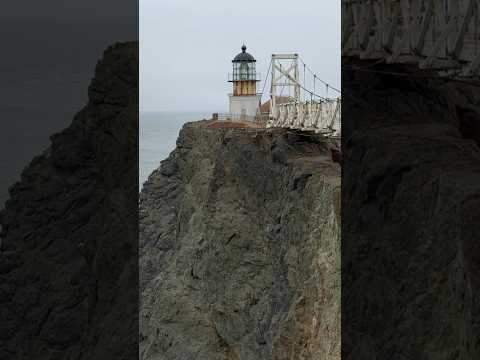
point(410, 210)
point(68, 254)
point(239, 248)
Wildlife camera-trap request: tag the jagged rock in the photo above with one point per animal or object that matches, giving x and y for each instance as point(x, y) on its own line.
point(68, 258)
point(411, 184)
point(239, 248)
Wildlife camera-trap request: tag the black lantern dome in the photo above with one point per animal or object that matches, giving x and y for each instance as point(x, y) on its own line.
point(244, 56)
point(244, 67)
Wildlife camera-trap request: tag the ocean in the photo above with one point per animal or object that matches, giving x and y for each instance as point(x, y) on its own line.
point(158, 131)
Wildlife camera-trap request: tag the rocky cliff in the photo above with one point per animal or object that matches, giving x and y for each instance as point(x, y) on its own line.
point(410, 210)
point(68, 252)
point(239, 248)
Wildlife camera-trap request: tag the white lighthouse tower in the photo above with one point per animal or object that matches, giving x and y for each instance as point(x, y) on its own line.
point(244, 101)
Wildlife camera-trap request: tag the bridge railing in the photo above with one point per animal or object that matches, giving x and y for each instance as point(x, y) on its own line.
point(435, 34)
point(321, 116)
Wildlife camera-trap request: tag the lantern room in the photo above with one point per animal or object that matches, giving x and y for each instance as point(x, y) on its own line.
point(244, 77)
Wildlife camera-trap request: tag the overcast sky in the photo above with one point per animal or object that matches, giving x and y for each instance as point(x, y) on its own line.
point(186, 46)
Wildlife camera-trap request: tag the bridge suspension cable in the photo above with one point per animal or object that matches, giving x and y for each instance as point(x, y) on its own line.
point(312, 94)
point(266, 78)
point(315, 77)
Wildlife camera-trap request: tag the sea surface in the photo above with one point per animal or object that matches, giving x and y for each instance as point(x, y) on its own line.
point(158, 134)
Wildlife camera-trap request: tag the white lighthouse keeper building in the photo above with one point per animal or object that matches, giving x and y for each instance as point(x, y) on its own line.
point(244, 100)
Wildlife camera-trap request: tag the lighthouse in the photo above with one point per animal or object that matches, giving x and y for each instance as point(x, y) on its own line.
point(244, 101)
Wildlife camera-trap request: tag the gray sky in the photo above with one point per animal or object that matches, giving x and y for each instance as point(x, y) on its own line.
point(186, 46)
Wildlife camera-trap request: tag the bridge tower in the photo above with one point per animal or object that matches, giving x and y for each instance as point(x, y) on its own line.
point(284, 76)
point(244, 100)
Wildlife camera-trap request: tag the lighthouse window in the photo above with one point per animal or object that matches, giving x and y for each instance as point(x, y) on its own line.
point(243, 71)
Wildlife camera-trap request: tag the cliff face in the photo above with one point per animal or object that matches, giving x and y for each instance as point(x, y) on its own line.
point(411, 205)
point(239, 248)
point(68, 255)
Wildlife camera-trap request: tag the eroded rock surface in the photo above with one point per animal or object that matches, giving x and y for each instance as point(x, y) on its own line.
point(68, 257)
point(411, 199)
point(239, 248)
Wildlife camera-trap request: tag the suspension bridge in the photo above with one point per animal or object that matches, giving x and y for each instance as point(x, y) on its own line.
point(441, 35)
point(294, 100)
